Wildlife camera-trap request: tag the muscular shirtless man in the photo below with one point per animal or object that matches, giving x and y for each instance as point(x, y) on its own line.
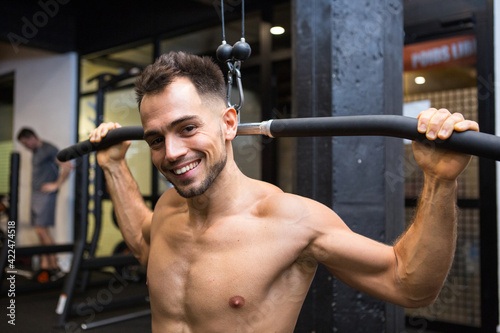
point(226, 253)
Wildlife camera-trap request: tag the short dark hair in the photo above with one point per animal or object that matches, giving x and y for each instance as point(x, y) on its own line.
point(26, 133)
point(203, 72)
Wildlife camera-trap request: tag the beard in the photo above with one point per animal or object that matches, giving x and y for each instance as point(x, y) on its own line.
point(215, 170)
point(189, 192)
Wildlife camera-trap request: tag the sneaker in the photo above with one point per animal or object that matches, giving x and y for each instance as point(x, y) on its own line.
point(56, 274)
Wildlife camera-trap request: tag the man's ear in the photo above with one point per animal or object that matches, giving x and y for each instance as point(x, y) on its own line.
point(230, 120)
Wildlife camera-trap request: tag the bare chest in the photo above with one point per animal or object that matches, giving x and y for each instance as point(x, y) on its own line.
point(224, 271)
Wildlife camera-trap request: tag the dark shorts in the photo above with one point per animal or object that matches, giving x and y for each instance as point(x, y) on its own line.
point(43, 209)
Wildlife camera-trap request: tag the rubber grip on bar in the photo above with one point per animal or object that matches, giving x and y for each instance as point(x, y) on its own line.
point(113, 137)
point(469, 142)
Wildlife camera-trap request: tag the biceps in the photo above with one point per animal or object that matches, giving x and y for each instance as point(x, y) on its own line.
point(358, 261)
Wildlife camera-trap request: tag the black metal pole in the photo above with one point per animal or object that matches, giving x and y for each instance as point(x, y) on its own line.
point(15, 160)
point(66, 296)
point(117, 319)
point(13, 210)
point(98, 183)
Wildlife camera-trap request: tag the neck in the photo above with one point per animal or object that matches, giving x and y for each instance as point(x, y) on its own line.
point(38, 144)
point(222, 198)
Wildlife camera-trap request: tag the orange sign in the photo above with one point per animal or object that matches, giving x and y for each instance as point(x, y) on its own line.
point(451, 51)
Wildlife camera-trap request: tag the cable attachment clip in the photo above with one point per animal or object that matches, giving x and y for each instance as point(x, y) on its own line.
point(234, 70)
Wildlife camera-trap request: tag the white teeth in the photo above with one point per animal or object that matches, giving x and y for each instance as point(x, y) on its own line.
point(186, 168)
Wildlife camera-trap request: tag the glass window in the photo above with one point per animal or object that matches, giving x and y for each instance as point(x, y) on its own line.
point(114, 63)
point(119, 106)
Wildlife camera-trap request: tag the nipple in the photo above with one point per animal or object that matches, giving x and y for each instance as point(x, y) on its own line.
point(236, 302)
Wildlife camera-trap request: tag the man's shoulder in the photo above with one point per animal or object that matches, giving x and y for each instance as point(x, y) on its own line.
point(274, 202)
point(49, 147)
point(292, 208)
point(47, 144)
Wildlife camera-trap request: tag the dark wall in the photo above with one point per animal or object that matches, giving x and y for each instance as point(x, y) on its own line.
point(91, 25)
point(51, 26)
point(104, 24)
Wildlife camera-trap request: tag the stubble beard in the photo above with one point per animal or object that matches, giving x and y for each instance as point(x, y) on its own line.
point(213, 173)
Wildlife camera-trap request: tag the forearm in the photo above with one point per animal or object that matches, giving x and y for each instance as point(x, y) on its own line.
point(63, 174)
point(131, 211)
point(425, 252)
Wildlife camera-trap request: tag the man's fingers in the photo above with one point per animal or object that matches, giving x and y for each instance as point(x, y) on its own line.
point(97, 134)
point(431, 121)
point(466, 125)
point(449, 124)
point(441, 123)
point(424, 119)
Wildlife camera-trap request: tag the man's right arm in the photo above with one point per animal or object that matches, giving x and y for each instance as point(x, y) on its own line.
point(133, 216)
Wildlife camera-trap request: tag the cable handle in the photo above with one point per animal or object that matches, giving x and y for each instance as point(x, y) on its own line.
point(113, 137)
point(469, 142)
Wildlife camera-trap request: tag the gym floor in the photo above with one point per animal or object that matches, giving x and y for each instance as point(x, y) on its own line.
point(35, 311)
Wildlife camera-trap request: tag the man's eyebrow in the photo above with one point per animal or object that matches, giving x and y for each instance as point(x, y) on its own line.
point(181, 120)
point(149, 134)
point(176, 122)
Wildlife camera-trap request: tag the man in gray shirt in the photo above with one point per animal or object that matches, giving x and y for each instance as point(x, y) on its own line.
point(48, 176)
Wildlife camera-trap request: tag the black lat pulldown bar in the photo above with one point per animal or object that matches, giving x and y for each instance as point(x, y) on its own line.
point(469, 142)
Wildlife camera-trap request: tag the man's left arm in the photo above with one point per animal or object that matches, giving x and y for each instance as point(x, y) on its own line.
point(64, 171)
point(425, 252)
point(412, 272)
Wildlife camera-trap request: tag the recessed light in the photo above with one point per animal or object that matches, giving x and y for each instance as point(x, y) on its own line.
point(420, 80)
point(277, 30)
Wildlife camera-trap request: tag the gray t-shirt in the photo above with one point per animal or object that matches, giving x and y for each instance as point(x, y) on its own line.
point(45, 168)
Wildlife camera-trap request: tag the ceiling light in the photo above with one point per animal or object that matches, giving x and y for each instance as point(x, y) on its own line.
point(420, 80)
point(277, 30)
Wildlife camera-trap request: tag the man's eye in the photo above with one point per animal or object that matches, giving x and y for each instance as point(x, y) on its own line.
point(155, 142)
point(189, 129)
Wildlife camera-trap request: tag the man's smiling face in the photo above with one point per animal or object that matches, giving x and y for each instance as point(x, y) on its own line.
point(185, 135)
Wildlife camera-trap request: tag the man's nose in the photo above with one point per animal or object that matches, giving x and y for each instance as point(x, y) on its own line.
point(174, 149)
